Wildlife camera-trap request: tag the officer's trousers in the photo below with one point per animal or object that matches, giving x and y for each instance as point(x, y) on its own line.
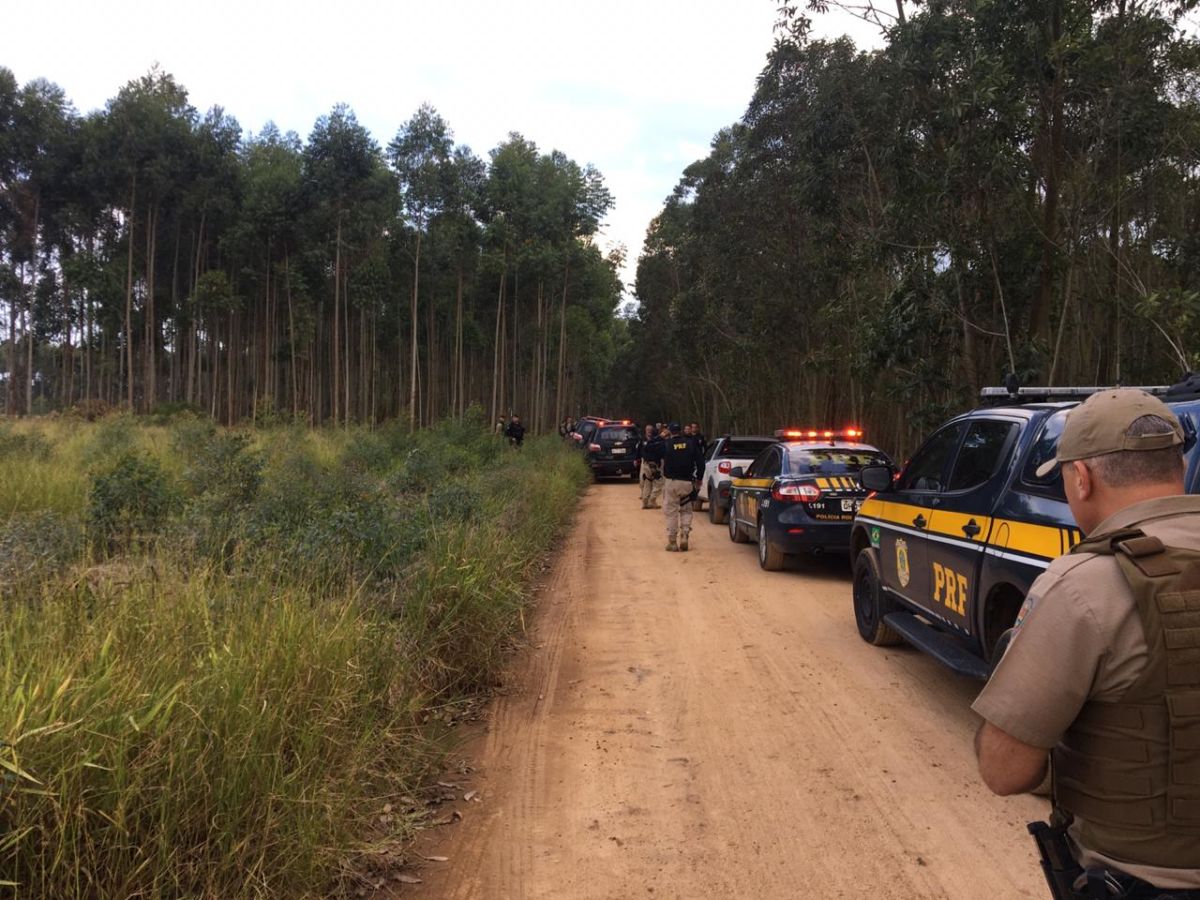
point(678, 513)
point(652, 488)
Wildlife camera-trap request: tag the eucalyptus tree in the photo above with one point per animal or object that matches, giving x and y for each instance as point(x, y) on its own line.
point(421, 154)
point(350, 190)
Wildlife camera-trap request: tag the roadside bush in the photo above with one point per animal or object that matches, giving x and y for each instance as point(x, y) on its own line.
point(232, 724)
point(29, 445)
point(130, 503)
point(33, 548)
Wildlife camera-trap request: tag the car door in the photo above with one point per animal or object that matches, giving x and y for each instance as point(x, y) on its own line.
point(960, 521)
point(758, 495)
point(903, 521)
point(745, 496)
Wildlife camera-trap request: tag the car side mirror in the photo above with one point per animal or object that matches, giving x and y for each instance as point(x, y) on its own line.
point(877, 478)
point(737, 472)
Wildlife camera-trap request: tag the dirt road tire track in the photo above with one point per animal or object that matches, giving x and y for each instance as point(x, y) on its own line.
point(689, 726)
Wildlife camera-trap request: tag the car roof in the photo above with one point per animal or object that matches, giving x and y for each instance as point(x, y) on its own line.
point(748, 437)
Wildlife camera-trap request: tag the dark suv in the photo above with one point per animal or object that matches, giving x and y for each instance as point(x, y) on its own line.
point(612, 450)
point(945, 551)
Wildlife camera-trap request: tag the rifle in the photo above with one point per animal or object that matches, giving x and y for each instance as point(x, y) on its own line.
point(690, 498)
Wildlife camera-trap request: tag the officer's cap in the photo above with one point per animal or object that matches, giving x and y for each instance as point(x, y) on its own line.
point(1100, 425)
point(674, 428)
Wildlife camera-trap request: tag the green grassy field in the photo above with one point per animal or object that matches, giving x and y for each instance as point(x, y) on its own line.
point(221, 653)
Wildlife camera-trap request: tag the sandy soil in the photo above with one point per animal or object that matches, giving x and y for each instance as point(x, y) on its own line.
point(689, 726)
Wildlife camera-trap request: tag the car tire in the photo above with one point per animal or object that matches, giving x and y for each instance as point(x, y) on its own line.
point(870, 603)
point(735, 531)
point(717, 514)
point(770, 557)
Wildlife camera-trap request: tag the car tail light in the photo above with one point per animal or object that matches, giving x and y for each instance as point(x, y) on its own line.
point(725, 467)
point(593, 448)
point(797, 493)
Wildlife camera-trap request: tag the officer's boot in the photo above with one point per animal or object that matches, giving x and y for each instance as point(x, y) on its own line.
point(683, 541)
point(671, 545)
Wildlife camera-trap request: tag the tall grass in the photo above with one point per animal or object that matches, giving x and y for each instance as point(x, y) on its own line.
point(221, 703)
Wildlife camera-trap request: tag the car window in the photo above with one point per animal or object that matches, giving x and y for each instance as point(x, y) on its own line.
point(711, 450)
point(833, 461)
point(619, 433)
point(1043, 449)
point(982, 453)
point(586, 429)
point(759, 466)
point(928, 469)
point(744, 449)
point(773, 463)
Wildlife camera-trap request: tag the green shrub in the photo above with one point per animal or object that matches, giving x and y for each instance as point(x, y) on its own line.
point(29, 445)
point(130, 503)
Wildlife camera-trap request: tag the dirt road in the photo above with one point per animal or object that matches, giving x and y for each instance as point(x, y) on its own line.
point(689, 726)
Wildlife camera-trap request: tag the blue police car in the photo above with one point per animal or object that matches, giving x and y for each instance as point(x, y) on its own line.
point(799, 495)
point(945, 551)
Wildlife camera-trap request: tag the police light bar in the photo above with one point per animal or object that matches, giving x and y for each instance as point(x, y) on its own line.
point(1065, 393)
point(816, 434)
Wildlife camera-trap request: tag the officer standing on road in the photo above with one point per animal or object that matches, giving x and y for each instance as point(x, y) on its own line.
point(650, 451)
point(515, 432)
point(1102, 675)
point(694, 431)
point(683, 467)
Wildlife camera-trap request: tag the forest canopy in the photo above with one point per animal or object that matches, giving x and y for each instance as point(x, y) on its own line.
point(1001, 187)
point(153, 256)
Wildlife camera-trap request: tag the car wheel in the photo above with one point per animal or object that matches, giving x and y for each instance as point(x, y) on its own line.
point(769, 556)
point(735, 531)
point(717, 514)
point(870, 603)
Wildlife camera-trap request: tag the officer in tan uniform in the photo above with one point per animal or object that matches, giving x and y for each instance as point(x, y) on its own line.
point(1102, 676)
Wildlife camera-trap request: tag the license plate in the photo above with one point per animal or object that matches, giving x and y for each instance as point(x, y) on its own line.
point(618, 451)
point(851, 505)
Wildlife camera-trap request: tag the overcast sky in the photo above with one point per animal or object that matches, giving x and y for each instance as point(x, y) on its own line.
point(636, 87)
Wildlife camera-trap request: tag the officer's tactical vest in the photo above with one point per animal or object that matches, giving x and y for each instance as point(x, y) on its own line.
point(1131, 770)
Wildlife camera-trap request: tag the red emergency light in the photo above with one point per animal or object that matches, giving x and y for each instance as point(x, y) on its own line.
point(812, 434)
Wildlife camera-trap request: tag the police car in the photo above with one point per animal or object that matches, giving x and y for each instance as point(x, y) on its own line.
point(612, 449)
point(800, 494)
point(945, 551)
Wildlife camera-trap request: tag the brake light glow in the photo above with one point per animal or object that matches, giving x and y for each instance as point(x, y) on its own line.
point(725, 467)
point(594, 448)
point(796, 493)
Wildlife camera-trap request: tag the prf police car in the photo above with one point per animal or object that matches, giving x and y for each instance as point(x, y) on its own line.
point(799, 495)
point(945, 551)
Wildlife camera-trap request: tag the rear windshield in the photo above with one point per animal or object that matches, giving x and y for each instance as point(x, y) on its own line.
point(743, 449)
point(834, 462)
point(618, 434)
point(1043, 450)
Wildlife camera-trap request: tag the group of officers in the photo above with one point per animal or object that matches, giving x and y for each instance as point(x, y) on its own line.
point(671, 469)
point(1099, 687)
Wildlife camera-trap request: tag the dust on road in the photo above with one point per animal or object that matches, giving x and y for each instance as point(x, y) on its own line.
point(686, 725)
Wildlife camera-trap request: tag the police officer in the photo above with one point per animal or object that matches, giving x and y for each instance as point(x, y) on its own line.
point(515, 432)
point(683, 468)
point(694, 431)
point(650, 452)
point(1102, 675)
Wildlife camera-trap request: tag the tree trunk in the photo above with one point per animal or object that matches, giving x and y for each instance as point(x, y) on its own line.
point(560, 389)
point(412, 349)
point(129, 295)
